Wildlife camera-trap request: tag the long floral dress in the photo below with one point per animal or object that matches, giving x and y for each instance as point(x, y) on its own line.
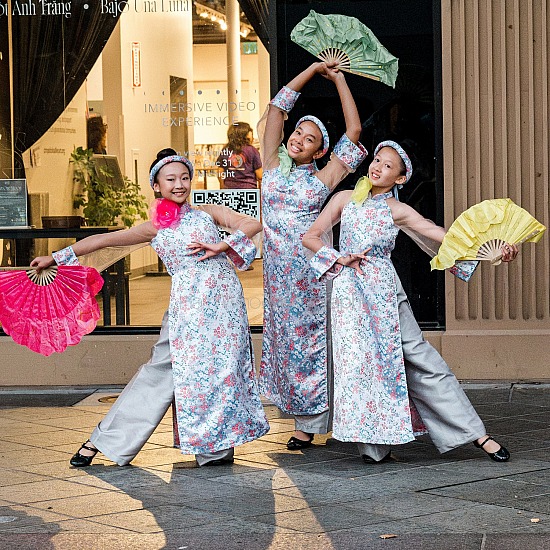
point(293, 371)
point(217, 401)
point(371, 401)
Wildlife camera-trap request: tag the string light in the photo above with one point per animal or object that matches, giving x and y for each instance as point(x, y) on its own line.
point(206, 12)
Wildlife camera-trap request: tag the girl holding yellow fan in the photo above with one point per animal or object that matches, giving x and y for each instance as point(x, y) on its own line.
point(389, 383)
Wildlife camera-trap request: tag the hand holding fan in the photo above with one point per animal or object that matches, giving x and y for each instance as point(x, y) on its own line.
point(345, 40)
point(480, 232)
point(50, 310)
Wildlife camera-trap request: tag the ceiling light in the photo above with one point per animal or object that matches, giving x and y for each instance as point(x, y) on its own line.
point(206, 12)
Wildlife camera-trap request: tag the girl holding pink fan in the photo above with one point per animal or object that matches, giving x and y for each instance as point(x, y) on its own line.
point(217, 401)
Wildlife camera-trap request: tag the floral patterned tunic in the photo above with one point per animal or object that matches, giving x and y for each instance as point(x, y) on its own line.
point(293, 371)
point(371, 402)
point(217, 401)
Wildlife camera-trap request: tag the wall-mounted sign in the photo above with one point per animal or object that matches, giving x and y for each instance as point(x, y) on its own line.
point(249, 48)
point(136, 64)
point(13, 203)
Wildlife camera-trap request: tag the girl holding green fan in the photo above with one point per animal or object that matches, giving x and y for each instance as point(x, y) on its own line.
point(389, 383)
point(293, 372)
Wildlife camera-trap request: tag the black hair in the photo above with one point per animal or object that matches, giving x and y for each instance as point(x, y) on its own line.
point(168, 152)
point(97, 130)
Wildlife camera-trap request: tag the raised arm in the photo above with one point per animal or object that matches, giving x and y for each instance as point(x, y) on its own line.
point(351, 115)
point(270, 128)
point(348, 153)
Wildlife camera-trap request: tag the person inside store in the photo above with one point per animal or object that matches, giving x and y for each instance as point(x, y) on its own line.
point(97, 135)
point(239, 162)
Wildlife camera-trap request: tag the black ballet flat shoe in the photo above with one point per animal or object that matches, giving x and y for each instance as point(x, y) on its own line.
point(369, 460)
point(81, 461)
point(295, 444)
point(502, 455)
point(219, 462)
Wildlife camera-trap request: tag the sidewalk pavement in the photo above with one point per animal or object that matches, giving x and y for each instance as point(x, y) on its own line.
point(322, 498)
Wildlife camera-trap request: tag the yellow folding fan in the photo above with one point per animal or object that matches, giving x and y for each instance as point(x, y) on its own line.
point(480, 232)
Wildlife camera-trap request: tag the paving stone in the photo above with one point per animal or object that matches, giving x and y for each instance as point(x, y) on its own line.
point(322, 519)
point(350, 468)
point(16, 518)
point(513, 541)
point(11, 477)
point(157, 519)
point(44, 490)
point(29, 456)
point(410, 505)
point(518, 426)
point(509, 410)
point(88, 506)
point(322, 497)
point(12, 400)
point(285, 458)
point(276, 478)
point(531, 394)
point(252, 506)
point(483, 394)
point(504, 491)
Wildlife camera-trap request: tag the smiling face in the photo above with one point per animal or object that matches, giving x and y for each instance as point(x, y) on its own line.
point(173, 182)
point(386, 170)
point(306, 143)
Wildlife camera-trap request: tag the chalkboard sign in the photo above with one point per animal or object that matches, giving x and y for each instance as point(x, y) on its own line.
point(13, 203)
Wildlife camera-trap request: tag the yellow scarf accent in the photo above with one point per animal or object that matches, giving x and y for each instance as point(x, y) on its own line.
point(362, 190)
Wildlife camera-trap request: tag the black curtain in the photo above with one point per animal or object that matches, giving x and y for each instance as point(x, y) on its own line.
point(257, 12)
point(5, 113)
point(52, 56)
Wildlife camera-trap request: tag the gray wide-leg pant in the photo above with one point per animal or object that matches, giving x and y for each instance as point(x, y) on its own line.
point(446, 411)
point(140, 407)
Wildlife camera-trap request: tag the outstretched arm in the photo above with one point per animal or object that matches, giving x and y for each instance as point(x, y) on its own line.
point(348, 152)
point(418, 227)
point(141, 233)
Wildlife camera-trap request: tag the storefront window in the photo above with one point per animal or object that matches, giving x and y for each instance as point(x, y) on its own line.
point(156, 75)
point(161, 80)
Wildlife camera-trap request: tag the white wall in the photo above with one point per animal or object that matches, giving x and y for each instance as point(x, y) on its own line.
point(210, 76)
point(47, 161)
point(136, 132)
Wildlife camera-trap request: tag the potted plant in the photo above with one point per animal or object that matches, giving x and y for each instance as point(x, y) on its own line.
point(102, 204)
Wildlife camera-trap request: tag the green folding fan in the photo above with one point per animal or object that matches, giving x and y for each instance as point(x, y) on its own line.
point(348, 42)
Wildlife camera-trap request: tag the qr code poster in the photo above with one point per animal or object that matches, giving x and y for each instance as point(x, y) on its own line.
point(244, 201)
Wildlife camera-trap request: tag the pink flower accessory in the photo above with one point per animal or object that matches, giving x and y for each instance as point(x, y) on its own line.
point(165, 213)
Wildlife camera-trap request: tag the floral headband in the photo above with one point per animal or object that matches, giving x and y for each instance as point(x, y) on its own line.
point(321, 127)
point(401, 152)
point(168, 160)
